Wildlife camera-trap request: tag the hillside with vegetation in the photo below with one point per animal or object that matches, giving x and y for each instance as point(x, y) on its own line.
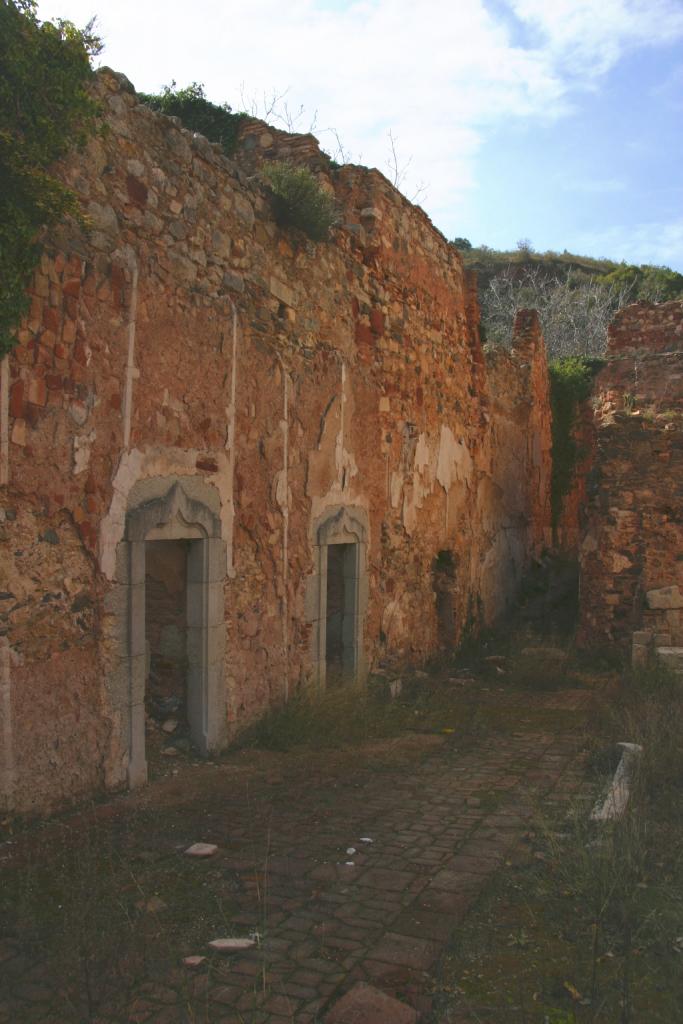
point(576, 296)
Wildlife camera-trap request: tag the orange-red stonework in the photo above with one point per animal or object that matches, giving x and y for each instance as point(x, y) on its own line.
point(189, 370)
point(633, 543)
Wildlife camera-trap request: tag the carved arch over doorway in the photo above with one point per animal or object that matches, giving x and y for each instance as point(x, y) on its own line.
point(174, 515)
point(342, 527)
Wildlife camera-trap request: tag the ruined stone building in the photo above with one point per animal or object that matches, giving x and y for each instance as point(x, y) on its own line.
point(236, 463)
point(631, 553)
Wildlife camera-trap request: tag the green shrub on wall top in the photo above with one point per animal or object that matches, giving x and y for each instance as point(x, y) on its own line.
point(45, 109)
point(216, 121)
point(299, 201)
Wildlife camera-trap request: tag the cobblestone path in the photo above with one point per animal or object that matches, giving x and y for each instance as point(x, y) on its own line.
point(332, 909)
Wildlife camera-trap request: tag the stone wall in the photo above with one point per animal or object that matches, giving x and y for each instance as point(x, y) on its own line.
point(633, 544)
point(190, 371)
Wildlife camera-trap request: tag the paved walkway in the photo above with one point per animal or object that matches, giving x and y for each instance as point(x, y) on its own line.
point(334, 909)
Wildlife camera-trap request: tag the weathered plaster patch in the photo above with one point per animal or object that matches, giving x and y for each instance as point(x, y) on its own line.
point(447, 462)
point(131, 371)
point(396, 488)
point(454, 461)
point(82, 445)
point(228, 512)
point(332, 468)
point(620, 563)
point(422, 484)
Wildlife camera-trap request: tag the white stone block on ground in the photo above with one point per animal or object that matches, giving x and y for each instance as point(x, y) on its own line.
point(194, 962)
point(201, 850)
point(617, 797)
point(231, 945)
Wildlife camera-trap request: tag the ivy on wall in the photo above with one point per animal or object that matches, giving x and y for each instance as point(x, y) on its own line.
point(45, 109)
point(571, 382)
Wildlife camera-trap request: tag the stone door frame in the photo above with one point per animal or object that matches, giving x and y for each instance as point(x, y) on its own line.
point(175, 516)
point(339, 525)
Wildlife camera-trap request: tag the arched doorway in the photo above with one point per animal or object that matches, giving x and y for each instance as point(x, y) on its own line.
point(186, 539)
point(339, 590)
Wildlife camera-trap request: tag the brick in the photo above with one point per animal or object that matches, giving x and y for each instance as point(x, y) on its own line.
point(365, 1004)
point(406, 951)
point(37, 391)
point(364, 334)
point(384, 878)
point(16, 399)
point(377, 321)
point(137, 190)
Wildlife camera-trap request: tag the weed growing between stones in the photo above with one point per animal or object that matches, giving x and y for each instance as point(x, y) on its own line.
point(352, 716)
point(102, 924)
point(598, 905)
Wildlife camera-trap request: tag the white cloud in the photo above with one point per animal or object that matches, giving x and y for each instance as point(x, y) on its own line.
point(587, 37)
point(653, 242)
point(437, 74)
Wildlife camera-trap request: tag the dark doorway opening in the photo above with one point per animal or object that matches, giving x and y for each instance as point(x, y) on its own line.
point(443, 583)
point(168, 729)
point(340, 634)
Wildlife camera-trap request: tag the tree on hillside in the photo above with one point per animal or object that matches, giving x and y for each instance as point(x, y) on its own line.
point(575, 311)
point(576, 296)
point(652, 283)
point(45, 108)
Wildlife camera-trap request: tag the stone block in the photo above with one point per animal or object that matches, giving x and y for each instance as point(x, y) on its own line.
point(16, 401)
point(312, 599)
point(207, 561)
point(665, 598)
point(377, 321)
point(136, 596)
point(138, 677)
point(639, 655)
point(406, 950)
point(37, 391)
point(18, 436)
point(205, 604)
point(282, 292)
point(672, 657)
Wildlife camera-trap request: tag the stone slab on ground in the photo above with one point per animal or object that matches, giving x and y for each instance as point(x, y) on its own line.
point(201, 850)
point(365, 1004)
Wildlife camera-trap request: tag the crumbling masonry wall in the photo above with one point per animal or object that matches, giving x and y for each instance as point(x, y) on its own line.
point(632, 549)
point(188, 371)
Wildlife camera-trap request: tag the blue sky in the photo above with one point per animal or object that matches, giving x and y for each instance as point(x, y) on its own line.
point(553, 120)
